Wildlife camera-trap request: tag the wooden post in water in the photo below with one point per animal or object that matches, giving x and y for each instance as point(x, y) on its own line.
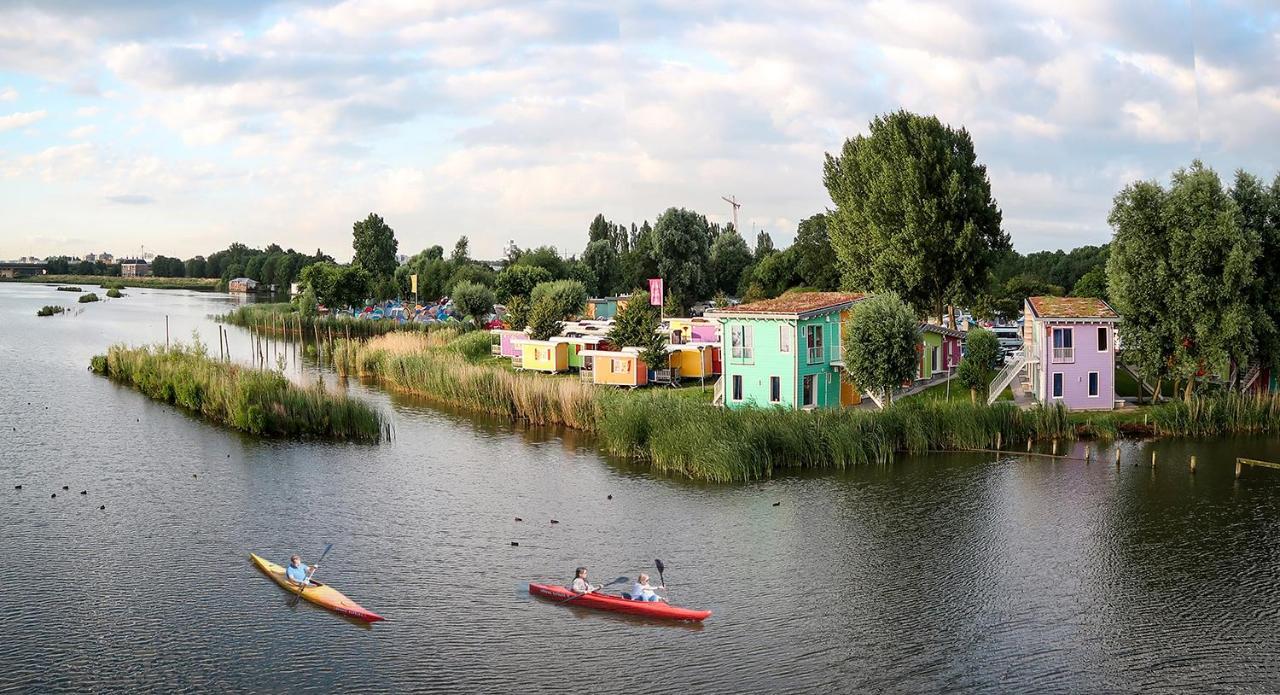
point(1193, 465)
point(1117, 456)
point(1028, 443)
point(1055, 447)
point(1088, 453)
point(998, 437)
point(1238, 469)
point(1153, 458)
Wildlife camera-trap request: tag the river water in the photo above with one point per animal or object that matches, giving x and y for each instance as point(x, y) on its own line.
point(963, 572)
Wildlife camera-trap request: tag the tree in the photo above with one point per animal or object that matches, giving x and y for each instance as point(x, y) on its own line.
point(600, 229)
point(375, 246)
point(517, 318)
point(602, 260)
point(544, 321)
point(566, 297)
point(682, 252)
point(634, 322)
point(880, 344)
point(729, 258)
point(460, 251)
point(764, 246)
point(982, 349)
point(473, 300)
point(775, 274)
point(814, 257)
point(545, 257)
point(1260, 217)
point(1092, 284)
point(1140, 279)
point(914, 213)
point(519, 280)
point(335, 285)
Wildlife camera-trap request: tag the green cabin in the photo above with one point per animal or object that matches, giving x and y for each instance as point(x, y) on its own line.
point(785, 352)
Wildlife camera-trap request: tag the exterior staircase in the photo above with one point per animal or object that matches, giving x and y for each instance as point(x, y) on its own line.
point(1006, 376)
point(1251, 376)
point(717, 394)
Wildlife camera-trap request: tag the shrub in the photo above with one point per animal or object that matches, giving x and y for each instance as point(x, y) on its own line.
point(114, 293)
point(49, 310)
point(566, 297)
point(473, 300)
point(544, 320)
point(86, 298)
point(69, 288)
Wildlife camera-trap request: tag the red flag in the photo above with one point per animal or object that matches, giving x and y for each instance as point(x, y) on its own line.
point(655, 291)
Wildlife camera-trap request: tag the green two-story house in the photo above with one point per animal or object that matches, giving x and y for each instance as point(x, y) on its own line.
point(785, 352)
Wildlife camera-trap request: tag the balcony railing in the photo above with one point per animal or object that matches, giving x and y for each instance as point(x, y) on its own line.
point(1064, 354)
point(816, 355)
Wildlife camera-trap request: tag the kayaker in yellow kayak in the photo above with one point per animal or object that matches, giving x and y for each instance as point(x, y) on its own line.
point(299, 573)
point(580, 584)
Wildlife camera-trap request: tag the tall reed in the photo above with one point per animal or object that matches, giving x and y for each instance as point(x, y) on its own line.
point(257, 401)
point(284, 319)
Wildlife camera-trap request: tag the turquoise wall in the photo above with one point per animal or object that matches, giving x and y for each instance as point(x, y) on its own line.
point(790, 367)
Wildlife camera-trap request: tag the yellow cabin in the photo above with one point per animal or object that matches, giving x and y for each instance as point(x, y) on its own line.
point(692, 361)
point(543, 356)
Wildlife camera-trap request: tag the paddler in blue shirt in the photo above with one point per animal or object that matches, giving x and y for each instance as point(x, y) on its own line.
point(299, 573)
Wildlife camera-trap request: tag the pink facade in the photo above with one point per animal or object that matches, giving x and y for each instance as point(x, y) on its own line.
point(705, 333)
point(507, 345)
point(950, 352)
point(1071, 359)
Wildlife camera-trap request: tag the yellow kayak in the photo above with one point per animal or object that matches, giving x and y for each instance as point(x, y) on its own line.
point(322, 595)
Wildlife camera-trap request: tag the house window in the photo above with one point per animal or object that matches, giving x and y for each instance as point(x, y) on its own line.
point(1093, 384)
point(813, 338)
point(1057, 384)
point(619, 366)
point(740, 342)
point(775, 389)
point(1063, 345)
point(809, 391)
point(1102, 339)
point(737, 387)
point(784, 338)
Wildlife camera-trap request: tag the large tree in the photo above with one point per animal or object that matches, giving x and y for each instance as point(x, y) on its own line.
point(815, 259)
point(1140, 279)
point(375, 246)
point(635, 321)
point(682, 252)
point(880, 344)
point(601, 259)
point(729, 258)
point(1259, 207)
point(566, 297)
point(914, 213)
point(519, 281)
point(474, 300)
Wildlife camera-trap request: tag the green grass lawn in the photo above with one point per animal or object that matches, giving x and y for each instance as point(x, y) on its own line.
point(938, 392)
point(1127, 387)
point(148, 282)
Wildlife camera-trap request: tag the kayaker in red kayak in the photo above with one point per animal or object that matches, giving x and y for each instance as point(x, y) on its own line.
point(642, 591)
point(298, 573)
point(580, 584)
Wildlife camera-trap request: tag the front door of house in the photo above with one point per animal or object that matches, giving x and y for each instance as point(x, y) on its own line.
point(809, 391)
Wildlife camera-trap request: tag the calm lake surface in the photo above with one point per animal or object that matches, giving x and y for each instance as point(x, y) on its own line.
point(956, 573)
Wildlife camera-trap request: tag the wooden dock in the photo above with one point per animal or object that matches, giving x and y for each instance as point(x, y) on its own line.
point(1242, 462)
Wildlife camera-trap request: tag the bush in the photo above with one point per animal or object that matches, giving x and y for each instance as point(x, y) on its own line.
point(544, 320)
point(564, 297)
point(69, 288)
point(473, 300)
point(114, 293)
point(48, 310)
point(86, 298)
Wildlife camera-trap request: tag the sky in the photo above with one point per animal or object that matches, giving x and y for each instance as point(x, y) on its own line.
point(180, 127)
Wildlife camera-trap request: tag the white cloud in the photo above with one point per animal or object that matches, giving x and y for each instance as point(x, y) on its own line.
point(8, 94)
point(21, 119)
point(82, 132)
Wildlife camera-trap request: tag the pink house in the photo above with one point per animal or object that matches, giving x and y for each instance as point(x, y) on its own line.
point(507, 345)
point(1069, 352)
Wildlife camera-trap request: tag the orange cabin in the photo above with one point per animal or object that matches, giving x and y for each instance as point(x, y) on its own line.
point(613, 368)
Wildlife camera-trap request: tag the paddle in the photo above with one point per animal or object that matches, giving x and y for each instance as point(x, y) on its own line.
point(303, 586)
point(619, 580)
point(660, 567)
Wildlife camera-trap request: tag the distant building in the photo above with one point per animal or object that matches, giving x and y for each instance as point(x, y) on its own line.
point(21, 270)
point(134, 268)
point(1068, 354)
point(106, 258)
point(243, 285)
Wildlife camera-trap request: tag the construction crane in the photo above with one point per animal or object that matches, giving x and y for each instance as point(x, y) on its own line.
point(733, 200)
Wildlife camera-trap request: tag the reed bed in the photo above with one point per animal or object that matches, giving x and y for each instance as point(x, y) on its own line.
point(257, 401)
point(678, 436)
point(1208, 416)
point(284, 319)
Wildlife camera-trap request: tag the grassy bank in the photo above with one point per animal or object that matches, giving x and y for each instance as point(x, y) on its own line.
point(111, 280)
point(284, 319)
point(257, 401)
point(680, 435)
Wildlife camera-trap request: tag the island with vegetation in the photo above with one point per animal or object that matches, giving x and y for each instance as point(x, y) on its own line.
point(258, 401)
point(50, 310)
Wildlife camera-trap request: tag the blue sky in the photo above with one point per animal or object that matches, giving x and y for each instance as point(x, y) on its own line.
point(183, 127)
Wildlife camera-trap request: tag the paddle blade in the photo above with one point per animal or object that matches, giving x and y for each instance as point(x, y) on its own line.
point(619, 580)
point(659, 565)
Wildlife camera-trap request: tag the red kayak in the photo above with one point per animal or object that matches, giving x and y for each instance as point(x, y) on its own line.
point(617, 604)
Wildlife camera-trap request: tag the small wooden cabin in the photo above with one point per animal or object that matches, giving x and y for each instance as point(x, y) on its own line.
point(543, 356)
point(507, 341)
point(693, 361)
point(575, 346)
point(617, 368)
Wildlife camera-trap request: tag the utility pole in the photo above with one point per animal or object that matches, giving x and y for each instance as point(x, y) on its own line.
point(733, 200)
